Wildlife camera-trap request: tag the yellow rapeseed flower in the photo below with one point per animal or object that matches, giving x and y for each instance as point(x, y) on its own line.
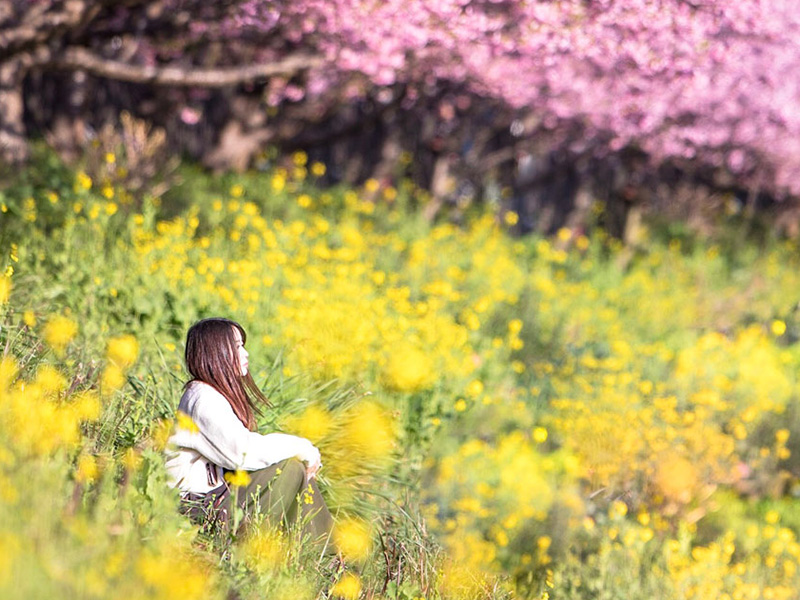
point(618, 509)
point(131, 460)
point(367, 431)
point(676, 477)
point(475, 388)
point(408, 370)
point(348, 587)
point(278, 182)
point(50, 380)
point(86, 406)
point(353, 539)
point(87, 469)
point(59, 332)
point(313, 423)
point(82, 181)
point(174, 573)
point(514, 326)
point(186, 422)
point(539, 435)
point(238, 478)
point(123, 350)
point(5, 289)
point(112, 379)
point(264, 550)
point(778, 327)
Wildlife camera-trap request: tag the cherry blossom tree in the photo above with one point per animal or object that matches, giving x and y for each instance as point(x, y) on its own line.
point(698, 83)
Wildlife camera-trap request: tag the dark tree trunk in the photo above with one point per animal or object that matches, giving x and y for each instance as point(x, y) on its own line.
point(13, 141)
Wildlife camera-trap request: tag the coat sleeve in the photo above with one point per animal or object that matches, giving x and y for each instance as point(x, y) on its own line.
point(228, 443)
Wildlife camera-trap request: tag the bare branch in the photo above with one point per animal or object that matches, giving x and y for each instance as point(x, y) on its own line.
point(77, 58)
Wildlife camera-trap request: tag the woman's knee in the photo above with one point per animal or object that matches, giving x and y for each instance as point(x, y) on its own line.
point(293, 469)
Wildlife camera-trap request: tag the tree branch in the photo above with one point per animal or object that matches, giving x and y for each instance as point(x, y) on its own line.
point(76, 58)
point(37, 23)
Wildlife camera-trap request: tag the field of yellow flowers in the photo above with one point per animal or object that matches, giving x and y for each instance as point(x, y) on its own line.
point(499, 417)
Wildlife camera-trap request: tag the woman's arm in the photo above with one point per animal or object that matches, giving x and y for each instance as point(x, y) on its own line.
point(225, 441)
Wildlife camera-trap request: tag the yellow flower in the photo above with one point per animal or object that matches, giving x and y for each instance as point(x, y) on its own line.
point(237, 191)
point(186, 422)
point(59, 331)
point(544, 542)
point(173, 572)
point(5, 289)
point(676, 478)
point(348, 587)
point(460, 405)
point(82, 181)
point(514, 326)
point(123, 350)
point(278, 182)
point(408, 370)
point(28, 317)
point(238, 478)
point(87, 470)
point(313, 423)
point(353, 539)
point(367, 432)
point(511, 218)
point(50, 380)
point(112, 379)
point(539, 435)
point(475, 388)
point(564, 234)
point(318, 169)
point(618, 509)
point(264, 550)
point(390, 194)
point(778, 327)
point(86, 406)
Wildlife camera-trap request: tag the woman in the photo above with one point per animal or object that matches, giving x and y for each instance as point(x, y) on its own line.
point(216, 437)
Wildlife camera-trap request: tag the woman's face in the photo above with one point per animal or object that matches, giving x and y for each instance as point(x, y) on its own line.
point(241, 353)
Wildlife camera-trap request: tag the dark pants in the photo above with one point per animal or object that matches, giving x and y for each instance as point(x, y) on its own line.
point(280, 493)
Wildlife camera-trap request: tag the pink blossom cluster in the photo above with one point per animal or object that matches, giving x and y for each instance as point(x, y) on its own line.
point(710, 81)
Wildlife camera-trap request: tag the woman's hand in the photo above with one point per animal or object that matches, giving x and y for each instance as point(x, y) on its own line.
point(313, 462)
point(313, 469)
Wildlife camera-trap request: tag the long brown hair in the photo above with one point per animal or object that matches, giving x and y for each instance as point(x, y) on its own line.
point(211, 357)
